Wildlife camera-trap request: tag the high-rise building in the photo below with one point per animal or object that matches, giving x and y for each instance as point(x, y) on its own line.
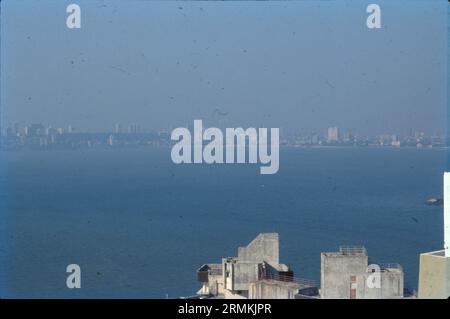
point(333, 134)
point(348, 138)
point(17, 129)
point(117, 128)
point(110, 140)
point(134, 128)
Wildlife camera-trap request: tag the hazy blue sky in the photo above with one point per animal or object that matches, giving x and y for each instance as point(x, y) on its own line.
point(294, 65)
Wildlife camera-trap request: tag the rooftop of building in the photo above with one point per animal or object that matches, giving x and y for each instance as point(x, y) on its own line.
point(213, 269)
point(437, 253)
point(288, 281)
point(390, 267)
point(348, 251)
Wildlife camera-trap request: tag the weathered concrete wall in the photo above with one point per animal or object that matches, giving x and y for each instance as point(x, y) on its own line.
point(265, 247)
point(390, 285)
point(336, 271)
point(227, 273)
point(243, 274)
point(211, 277)
point(239, 272)
point(271, 289)
point(215, 284)
point(228, 294)
point(434, 276)
point(237, 275)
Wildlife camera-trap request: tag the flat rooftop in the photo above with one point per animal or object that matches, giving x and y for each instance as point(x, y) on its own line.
point(348, 251)
point(437, 253)
point(292, 284)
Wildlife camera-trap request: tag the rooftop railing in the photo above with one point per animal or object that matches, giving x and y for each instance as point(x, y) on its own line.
point(283, 278)
point(353, 250)
point(388, 266)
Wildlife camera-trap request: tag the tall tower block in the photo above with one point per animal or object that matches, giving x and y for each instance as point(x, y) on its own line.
point(434, 273)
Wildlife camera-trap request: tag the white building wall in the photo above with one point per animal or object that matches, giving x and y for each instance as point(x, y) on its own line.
point(447, 214)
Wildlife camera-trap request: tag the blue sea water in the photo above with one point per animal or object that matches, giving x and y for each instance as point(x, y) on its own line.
point(140, 226)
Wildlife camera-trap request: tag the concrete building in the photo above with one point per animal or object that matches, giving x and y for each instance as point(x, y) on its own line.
point(346, 274)
point(267, 289)
point(434, 272)
point(210, 275)
point(283, 289)
point(383, 281)
point(333, 134)
point(255, 273)
point(434, 275)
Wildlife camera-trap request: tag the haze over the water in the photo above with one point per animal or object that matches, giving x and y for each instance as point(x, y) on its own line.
point(293, 65)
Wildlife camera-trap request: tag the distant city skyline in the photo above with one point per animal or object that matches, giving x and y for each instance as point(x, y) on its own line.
point(39, 136)
point(331, 133)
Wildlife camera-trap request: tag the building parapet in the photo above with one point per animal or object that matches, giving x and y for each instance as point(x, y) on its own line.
point(391, 267)
point(352, 250)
